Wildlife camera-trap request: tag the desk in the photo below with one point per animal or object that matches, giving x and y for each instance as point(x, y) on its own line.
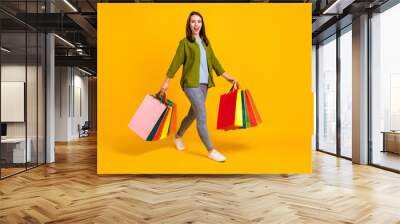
point(391, 141)
point(15, 148)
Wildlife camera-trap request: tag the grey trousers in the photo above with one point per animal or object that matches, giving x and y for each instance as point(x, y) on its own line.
point(197, 98)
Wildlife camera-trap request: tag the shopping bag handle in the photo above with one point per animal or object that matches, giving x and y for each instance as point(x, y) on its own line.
point(234, 86)
point(162, 97)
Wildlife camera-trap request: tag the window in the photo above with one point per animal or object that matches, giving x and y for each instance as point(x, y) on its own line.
point(385, 88)
point(346, 93)
point(327, 95)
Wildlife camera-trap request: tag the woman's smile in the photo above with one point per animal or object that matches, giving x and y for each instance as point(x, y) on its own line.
point(195, 24)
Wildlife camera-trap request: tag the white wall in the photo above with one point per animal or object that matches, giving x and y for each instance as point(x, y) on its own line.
point(12, 73)
point(71, 93)
point(80, 83)
point(62, 81)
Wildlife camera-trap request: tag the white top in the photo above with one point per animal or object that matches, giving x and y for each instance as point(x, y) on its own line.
point(203, 62)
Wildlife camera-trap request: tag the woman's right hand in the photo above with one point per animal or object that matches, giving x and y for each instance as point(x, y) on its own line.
point(164, 86)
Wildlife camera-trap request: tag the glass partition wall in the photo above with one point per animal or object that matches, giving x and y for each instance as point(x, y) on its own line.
point(385, 89)
point(334, 103)
point(22, 88)
point(334, 93)
point(345, 62)
point(327, 95)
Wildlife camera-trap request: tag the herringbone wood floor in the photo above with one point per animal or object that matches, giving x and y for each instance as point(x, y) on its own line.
point(70, 191)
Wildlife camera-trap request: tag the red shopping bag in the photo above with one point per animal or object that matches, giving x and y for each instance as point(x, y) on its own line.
point(253, 107)
point(237, 112)
point(251, 114)
point(227, 109)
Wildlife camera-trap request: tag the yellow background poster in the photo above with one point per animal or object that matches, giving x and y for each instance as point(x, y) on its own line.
point(266, 47)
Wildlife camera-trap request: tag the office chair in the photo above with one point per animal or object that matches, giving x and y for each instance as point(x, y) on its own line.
point(84, 130)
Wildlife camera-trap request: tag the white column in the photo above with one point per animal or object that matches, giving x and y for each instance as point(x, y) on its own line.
point(50, 110)
point(50, 92)
point(360, 90)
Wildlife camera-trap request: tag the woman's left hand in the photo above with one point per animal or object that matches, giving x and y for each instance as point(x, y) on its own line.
point(228, 77)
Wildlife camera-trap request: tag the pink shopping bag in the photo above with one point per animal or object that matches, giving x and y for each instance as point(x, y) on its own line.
point(146, 116)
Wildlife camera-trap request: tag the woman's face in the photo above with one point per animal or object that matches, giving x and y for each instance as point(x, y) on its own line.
point(195, 24)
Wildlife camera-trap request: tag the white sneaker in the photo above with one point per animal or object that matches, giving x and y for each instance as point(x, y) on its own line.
point(179, 143)
point(216, 156)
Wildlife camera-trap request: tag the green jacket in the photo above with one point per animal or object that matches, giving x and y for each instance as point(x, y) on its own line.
point(188, 54)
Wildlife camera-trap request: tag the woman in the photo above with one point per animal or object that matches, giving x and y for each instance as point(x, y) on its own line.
point(198, 59)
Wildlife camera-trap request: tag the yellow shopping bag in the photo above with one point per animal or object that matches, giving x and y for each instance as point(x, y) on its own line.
point(239, 111)
point(164, 132)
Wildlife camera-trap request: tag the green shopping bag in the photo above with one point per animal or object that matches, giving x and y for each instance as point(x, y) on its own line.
point(246, 120)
